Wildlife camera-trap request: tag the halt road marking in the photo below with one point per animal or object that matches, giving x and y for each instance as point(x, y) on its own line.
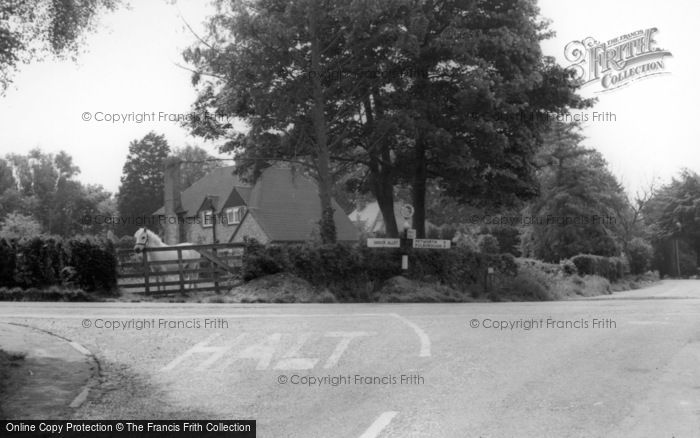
point(379, 425)
point(346, 337)
point(424, 339)
point(264, 352)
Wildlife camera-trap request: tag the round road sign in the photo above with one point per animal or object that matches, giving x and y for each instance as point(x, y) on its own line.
point(407, 211)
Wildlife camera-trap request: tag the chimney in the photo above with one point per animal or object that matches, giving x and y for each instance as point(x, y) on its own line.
point(172, 202)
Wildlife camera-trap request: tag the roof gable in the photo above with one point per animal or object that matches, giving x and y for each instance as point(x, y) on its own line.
point(219, 184)
point(286, 205)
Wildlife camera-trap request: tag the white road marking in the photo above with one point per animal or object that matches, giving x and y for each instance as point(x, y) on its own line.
point(346, 337)
point(80, 399)
point(79, 348)
point(263, 351)
point(218, 354)
point(200, 347)
point(424, 339)
point(379, 425)
point(291, 361)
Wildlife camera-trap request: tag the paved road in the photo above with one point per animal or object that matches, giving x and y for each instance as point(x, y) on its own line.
point(626, 366)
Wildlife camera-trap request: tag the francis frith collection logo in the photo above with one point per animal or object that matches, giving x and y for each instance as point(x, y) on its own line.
point(617, 62)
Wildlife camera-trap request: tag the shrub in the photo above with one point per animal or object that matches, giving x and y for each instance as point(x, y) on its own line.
point(568, 267)
point(612, 268)
point(639, 254)
point(94, 262)
point(53, 293)
point(508, 238)
point(487, 244)
point(43, 261)
point(8, 256)
point(354, 272)
point(530, 284)
point(259, 260)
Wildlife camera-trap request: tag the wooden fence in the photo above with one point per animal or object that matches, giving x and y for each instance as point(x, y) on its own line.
point(218, 266)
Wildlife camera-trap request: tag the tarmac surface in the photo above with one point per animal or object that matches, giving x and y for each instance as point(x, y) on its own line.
point(620, 366)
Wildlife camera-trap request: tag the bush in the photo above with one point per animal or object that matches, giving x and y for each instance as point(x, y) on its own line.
point(612, 268)
point(639, 254)
point(487, 244)
point(531, 283)
point(508, 238)
point(53, 293)
point(355, 272)
point(568, 267)
point(43, 261)
point(8, 257)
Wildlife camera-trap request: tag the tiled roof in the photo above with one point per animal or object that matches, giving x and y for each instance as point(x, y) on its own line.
point(218, 183)
point(283, 201)
point(286, 205)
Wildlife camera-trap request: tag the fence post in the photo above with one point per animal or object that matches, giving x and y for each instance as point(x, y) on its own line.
point(215, 273)
point(179, 270)
point(145, 270)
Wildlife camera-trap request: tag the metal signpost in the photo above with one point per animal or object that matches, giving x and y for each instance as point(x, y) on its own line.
point(408, 240)
point(384, 243)
point(432, 243)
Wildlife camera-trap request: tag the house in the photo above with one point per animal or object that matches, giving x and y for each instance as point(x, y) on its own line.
point(282, 206)
point(369, 219)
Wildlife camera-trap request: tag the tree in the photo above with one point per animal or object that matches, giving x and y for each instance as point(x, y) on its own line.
point(405, 91)
point(575, 214)
point(673, 216)
point(16, 225)
point(196, 162)
point(46, 190)
point(472, 118)
point(32, 28)
point(141, 189)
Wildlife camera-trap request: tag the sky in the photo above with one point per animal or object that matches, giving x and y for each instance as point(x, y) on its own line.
point(128, 65)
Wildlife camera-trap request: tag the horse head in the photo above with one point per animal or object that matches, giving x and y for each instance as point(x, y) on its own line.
point(141, 237)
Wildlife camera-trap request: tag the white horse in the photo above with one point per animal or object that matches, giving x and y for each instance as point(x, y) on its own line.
point(146, 238)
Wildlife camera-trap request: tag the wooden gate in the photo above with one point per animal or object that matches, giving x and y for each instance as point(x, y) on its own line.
point(218, 267)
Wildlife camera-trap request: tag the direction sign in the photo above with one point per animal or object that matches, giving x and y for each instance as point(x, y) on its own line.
point(432, 244)
point(383, 243)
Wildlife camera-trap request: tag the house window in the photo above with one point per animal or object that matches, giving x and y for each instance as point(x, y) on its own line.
point(207, 220)
point(234, 215)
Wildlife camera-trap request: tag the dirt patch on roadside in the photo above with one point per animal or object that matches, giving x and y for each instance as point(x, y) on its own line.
point(277, 288)
point(403, 290)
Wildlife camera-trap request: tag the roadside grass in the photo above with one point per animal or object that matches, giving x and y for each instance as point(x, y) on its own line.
point(633, 282)
point(52, 293)
point(8, 361)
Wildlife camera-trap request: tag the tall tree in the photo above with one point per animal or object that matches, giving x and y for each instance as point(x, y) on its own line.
point(575, 213)
point(268, 57)
point(452, 91)
point(673, 215)
point(141, 190)
point(196, 162)
point(33, 28)
point(474, 122)
point(46, 190)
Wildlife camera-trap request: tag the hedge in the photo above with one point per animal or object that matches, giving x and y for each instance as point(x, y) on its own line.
point(39, 262)
point(612, 268)
point(354, 272)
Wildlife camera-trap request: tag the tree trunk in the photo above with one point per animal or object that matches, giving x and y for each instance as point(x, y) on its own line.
point(325, 182)
point(420, 176)
point(381, 176)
